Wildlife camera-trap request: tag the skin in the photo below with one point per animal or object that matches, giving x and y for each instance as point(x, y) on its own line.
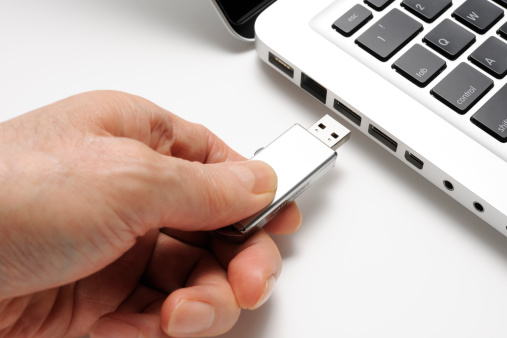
point(106, 204)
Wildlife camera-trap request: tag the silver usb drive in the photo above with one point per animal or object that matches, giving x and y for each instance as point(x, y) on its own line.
point(299, 157)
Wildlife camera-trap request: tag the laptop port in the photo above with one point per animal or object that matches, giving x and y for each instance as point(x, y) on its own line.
point(347, 112)
point(448, 185)
point(383, 138)
point(281, 65)
point(478, 207)
point(414, 160)
point(313, 87)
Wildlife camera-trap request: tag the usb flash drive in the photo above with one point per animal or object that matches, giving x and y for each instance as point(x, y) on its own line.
point(299, 157)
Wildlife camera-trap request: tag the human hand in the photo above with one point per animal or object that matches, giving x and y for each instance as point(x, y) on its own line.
point(106, 201)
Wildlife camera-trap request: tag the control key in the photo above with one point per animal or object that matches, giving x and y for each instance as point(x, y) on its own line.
point(462, 88)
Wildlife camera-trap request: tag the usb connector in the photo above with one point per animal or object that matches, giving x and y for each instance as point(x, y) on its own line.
point(299, 157)
point(329, 131)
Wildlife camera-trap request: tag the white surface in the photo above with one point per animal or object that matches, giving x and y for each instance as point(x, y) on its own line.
point(381, 252)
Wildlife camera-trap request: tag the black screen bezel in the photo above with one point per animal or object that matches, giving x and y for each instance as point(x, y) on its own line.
point(243, 24)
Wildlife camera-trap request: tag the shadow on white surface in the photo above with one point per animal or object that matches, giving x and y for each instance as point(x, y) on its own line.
point(252, 323)
point(195, 20)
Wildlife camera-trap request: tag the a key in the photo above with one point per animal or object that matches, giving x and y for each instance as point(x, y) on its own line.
point(462, 88)
point(501, 2)
point(391, 33)
point(503, 31)
point(449, 39)
point(378, 5)
point(419, 65)
point(492, 117)
point(478, 15)
point(492, 57)
point(352, 20)
point(427, 10)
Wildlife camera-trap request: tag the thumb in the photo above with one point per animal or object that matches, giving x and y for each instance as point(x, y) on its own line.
point(210, 196)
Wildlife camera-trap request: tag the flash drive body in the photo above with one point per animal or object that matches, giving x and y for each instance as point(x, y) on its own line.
point(298, 158)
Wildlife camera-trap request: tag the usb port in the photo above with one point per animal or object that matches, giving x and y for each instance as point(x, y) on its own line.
point(414, 160)
point(282, 65)
point(383, 138)
point(347, 112)
point(314, 88)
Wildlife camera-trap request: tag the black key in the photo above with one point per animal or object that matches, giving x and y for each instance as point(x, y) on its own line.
point(378, 5)
point(492, 57)
point(427, 10)
point(462, 88)
point(352, 20)
point(478, 15)
point(393, 31)
point(492, 117)
point(419, 65)
point(449, 39)
point(503, 31)
point(501, 2)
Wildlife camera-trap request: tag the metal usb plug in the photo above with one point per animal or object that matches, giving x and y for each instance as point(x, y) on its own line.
point(299, 157)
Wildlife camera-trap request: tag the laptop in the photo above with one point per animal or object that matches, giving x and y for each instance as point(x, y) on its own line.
point(429, 80)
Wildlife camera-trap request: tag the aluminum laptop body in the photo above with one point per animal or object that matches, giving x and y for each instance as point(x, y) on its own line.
point(297, 39)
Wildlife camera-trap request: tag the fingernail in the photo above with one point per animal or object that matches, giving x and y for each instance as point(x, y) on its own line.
point(300, 221)
point(270, 286)
point(190, 317)
point(257, 176)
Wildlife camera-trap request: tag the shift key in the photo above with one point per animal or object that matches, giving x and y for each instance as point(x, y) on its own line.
point(492, 117)
point(462, 88)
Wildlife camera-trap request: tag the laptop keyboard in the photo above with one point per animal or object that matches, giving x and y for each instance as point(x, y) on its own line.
point(385, 27)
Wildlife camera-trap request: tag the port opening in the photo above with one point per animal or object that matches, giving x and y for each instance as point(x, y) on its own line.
point(281, 65)
point(414, 160)
point(347, 112)
point(448, 185)
point(383, 138)
point(313, 87)
point(478, 207)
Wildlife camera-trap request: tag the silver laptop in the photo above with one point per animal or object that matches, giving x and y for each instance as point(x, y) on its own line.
point(429, 81)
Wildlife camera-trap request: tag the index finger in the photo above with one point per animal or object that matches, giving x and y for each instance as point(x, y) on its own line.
point(135, 117)
point(118, 114)
point(194, 142)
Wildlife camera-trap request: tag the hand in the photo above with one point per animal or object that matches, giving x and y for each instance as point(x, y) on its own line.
point(106, 201)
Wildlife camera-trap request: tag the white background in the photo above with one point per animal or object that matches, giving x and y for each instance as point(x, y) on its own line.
point(381, 252)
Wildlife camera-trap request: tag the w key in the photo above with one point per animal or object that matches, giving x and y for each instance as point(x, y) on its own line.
point(479, 15)
point(391, 33)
